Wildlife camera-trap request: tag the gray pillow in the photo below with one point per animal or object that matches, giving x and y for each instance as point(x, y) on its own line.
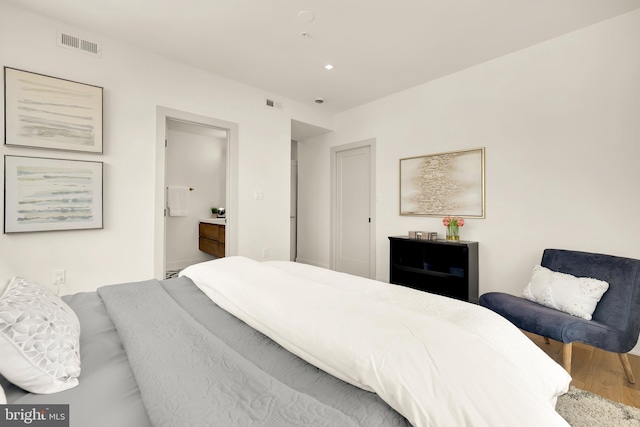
point(39, 339)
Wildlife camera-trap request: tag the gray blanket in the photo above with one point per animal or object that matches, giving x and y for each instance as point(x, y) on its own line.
point(108, 394)
point(189, 377)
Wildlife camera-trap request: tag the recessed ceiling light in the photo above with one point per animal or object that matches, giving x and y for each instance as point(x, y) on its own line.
point(329, 67)
point(305, 16)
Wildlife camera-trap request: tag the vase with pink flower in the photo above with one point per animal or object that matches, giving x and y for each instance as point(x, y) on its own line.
point(453, 223)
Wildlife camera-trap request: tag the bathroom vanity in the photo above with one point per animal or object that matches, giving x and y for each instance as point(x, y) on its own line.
point(212, 236)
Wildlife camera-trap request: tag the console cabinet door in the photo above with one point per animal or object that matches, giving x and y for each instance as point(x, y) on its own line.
point(435, 266)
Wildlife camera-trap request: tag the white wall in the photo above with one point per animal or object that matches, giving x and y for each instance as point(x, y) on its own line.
point(135, 83)
point(196, 158)
point(560, 123)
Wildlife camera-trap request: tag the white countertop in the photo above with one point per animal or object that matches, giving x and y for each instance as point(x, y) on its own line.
point(219, 221)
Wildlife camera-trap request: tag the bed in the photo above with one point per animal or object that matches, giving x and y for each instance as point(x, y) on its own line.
point(236, 342)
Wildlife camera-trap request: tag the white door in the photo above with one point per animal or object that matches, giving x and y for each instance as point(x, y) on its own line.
point(294, 211)
point(353, 236)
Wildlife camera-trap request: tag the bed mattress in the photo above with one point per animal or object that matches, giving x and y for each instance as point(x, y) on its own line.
point(109, 394)
point(236, 342)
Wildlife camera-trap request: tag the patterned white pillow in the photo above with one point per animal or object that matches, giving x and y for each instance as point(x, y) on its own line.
point(39, 339)
point(7, 272)
point(578, 296)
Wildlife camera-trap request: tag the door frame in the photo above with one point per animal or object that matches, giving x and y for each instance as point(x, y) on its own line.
point(371, 143)
point(162, 115)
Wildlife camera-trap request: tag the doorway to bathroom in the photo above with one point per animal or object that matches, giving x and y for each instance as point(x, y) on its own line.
point(196, 165)
point(197, 161)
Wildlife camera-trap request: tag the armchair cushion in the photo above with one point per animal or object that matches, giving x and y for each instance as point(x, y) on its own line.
point(577, 296)
point(548, 322)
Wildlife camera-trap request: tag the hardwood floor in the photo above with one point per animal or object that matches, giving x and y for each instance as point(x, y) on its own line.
point(597, 371)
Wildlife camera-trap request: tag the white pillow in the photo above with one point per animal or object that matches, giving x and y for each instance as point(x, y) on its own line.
point(574, 295)
point(39, 339)
point(4, 282)
point(7, 272)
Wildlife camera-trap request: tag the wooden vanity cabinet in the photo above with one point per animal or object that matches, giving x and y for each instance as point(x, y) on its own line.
point(211, 239)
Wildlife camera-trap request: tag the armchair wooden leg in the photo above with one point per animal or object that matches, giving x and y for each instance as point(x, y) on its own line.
point(624, 359)
point(546, 340)
point(566, 356)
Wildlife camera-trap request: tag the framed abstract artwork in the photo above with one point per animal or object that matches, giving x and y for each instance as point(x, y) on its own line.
point(443, 184)
point(44, 194)
point(47, 112)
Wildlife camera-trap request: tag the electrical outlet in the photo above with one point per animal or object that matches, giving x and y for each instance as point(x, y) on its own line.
point(59, 277)
point(265, 253)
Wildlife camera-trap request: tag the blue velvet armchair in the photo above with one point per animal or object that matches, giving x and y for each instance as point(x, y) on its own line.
point(615, 324)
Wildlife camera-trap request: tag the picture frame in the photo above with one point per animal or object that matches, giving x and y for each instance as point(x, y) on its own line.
point(45, 194)
point(51, 113)
point(451, 183)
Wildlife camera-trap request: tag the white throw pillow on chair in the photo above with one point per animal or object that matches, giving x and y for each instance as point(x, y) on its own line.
point(577, 296)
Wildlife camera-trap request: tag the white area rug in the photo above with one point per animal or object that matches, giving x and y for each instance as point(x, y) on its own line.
point(583, 409)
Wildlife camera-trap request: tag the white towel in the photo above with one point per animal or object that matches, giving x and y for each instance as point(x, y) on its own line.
point(177, 201)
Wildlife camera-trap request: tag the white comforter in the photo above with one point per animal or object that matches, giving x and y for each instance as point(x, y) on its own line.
point(437, 361)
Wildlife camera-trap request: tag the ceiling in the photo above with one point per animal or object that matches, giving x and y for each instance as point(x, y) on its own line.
point(378, 47)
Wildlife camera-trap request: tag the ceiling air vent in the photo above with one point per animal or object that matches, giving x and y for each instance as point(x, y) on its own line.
point(273, 104)
point(79, 44)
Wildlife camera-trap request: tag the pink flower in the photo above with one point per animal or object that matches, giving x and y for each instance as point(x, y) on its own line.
point(448, 220)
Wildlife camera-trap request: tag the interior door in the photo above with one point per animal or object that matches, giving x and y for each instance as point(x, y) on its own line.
point(352, 245)
point(293, 216)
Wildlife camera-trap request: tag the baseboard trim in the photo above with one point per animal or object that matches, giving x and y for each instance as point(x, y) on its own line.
point(307, 261)
point(184, 263)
